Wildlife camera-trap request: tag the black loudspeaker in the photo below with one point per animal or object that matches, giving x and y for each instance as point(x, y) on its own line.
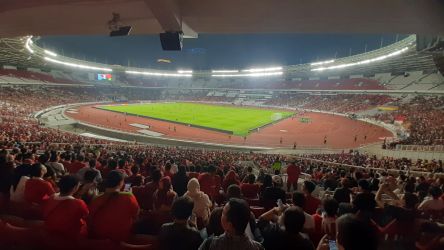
point(122, 31)
point(171, 40)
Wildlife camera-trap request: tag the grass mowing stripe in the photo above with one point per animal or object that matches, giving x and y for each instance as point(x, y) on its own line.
point(239, 120)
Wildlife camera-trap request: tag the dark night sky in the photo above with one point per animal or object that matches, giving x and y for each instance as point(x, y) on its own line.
point(216, 51)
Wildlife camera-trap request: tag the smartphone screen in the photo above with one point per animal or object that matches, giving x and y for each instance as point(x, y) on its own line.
point(280, 204)
point(127, 187)
point(332, 245)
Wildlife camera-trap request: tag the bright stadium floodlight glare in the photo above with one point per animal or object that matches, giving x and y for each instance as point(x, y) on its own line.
point(184, 71)
point(262, 69)
point(322, 63)
point(225, 71)
point(379, 58)
point(75, 65)
point(27, 45)
point(157, 73)
point(49, 53)
point(249, 74)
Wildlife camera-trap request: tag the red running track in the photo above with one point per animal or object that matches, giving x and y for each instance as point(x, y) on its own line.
point(340, 131)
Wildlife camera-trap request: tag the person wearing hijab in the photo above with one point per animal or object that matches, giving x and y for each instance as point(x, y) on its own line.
point(202, 203)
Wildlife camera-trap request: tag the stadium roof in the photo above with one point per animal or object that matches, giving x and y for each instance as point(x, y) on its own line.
point(65, 17)
point(398, 57)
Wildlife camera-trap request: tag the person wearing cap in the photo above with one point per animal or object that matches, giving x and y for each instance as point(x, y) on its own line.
point(272, 194)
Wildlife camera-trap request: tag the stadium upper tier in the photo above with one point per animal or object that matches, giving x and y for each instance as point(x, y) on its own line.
point(397, 66)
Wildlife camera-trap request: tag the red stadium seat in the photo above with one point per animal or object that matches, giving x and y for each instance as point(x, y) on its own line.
point(25, 210)
point(13, 220)
point(140, 241)
point(19, 237)
point(127, 246)
point(150, 222)
point(93, 244)
point(254, 202)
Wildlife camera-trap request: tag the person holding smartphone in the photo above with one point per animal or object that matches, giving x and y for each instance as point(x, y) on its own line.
point(281, 228)
point(352, 233)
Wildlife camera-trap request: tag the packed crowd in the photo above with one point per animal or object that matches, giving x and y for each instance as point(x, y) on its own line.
point(340, 103)
point(174, 198)
point(18, 104)
point(424, 118)
point(371, 161)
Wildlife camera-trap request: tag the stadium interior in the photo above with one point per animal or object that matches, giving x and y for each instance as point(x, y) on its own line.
point(342, 152)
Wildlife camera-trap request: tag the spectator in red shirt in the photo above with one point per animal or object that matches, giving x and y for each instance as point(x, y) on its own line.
point(250, 189)
point(66, 160)
point(76, 165)
point(230, 179)
point(136, 179)
point(168, 171)
point(111, 165)
point(311, 203)
point(164, 196)
point(65, 215)
point(210, 182)
point(293, 173)
point(144, 194)
point(123, 167)
point(36, 189)
point(113, 213)
point(193, 173)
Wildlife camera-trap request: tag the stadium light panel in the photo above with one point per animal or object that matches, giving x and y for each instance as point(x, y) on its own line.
point(262, 69)
point(225, 71)
point(379, 58)
point(184, 71)
point(158, 73)
point(249, 74)
point(49, 53)
point(75, 65)
point(322, 63)
point(27, 45)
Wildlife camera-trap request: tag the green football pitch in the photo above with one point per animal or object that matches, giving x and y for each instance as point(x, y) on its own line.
point(238, 120)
